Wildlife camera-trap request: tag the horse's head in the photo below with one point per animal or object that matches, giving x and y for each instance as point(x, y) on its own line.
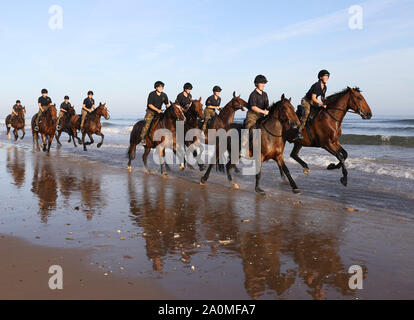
point(358, 103)
point(285, 113)
point(53, 112)
point(238, 103)
point(175, 111)
point(22, 112)
point(198, 107)
point(102, 110)
point(71, 111)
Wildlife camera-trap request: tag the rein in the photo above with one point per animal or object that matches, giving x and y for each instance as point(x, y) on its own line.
point(339, 109)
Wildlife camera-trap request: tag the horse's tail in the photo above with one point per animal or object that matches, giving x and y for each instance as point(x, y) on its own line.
point(134, 140)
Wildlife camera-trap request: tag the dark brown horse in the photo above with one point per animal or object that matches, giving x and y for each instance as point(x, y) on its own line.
point(47, 128)
point(17, 122)
point(91, 126)
point(275, 129)
point(167, 120)
point(325, 130)
point(227, 114)
point(192, 116)
point(66, 125)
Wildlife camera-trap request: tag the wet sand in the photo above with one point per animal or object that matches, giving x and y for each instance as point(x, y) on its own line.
point(203, 242)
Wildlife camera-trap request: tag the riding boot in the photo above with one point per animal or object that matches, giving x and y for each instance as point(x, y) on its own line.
point(148, 120)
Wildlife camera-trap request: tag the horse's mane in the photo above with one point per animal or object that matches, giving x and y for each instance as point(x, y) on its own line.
point(274, 107)
point(332, 99)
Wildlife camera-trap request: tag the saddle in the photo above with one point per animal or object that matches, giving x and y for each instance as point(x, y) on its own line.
point(154, 122)
point(314, 111)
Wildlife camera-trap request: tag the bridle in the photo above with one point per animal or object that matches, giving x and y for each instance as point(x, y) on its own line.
point(278, 119)
point(348, 109)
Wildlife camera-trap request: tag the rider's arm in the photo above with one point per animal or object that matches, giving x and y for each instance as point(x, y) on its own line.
point(315, 100)
point(150, 106)
point(258, 110)
point(40, 107)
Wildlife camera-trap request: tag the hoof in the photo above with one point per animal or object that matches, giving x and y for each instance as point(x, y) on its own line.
point(129, 169)
point(99, 145)
point(332, 166)
point(164, 175)
point(306, 171)
point(202, 168)
point(344, 182)
point(260, 191)
point(235, 186)
point(182, 167)
point(203, 181)
point(297, 191)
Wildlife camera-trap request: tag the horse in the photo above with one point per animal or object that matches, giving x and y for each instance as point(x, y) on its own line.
point(275, 129)
point(224, 119)
point(168, 120)
point(16, 122)
point(47, 128)
point(325, 130)
point(91, 126)
point(226, 115)
point(192, 115)
point(66, 126)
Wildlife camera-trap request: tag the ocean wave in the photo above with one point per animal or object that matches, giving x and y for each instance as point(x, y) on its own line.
point(385, 140)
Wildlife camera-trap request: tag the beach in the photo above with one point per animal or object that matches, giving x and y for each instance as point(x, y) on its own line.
point(187, 241)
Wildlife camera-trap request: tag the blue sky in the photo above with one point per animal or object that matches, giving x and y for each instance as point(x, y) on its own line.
point(120, 48)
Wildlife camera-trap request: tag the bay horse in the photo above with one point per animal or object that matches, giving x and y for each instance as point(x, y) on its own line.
point(326, 128)
point(66, 125)
point(192, 116)
point(275, 129)
point(91, 126)
point(167, 120)
point(16, 122)
point(47, 128)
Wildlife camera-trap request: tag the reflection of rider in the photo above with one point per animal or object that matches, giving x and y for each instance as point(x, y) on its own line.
point(257, 106)
point(185, 97)
point(156, 100)
point(318, 89)
point(44, 102)
point(88, 107)
point(64, 108)
point(212, 104)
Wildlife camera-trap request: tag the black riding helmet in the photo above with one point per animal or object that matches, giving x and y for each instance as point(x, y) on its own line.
point(90, 93)
point(159, 84)
point(217, 89)
point(188, 86)
point(66, 98)
point(44, 91)
point(18, 101)
point(260, 79)
point(323, 73)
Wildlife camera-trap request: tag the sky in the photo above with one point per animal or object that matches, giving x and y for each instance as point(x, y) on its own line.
point(120, 48)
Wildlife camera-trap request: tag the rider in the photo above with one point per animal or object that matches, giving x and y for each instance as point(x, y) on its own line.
point(318, 89)
point(64, 108)
point(212, 104)
point(156, 100)
point(257, 109)
point(44, 102)
point(185, 97)
point(16, 108)
point(88, 107)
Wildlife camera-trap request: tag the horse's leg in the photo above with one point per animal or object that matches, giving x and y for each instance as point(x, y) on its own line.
point(258, 176)
point(162, 158)
point(91, 141)
point(295, 155)
point(83, 141)
point(147, 151)
point(44, 142)
point(24, 134)
point(229, 167)
point(58, 137)
point(131, 155)
point(16, 134)
point(102, 141)
point(8, 131)
point(336, 151)
point(207, 174)
point(50, 143)
point(334, 166)
point(281, 162)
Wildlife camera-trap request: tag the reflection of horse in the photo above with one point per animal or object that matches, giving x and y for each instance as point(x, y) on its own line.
point(65, 125)
point(16, 122)
point(47, 128)
point(44, 186)
point(16, 166)
point(275, 130)
point(325, 130)
point(166, 121)
point(91, 126)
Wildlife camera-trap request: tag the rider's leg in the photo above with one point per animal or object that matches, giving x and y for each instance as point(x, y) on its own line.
point(61, 115)
point(148, 120)
point(251, 120)
point(84, 113)
point(39, 114)
point(306, 107)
